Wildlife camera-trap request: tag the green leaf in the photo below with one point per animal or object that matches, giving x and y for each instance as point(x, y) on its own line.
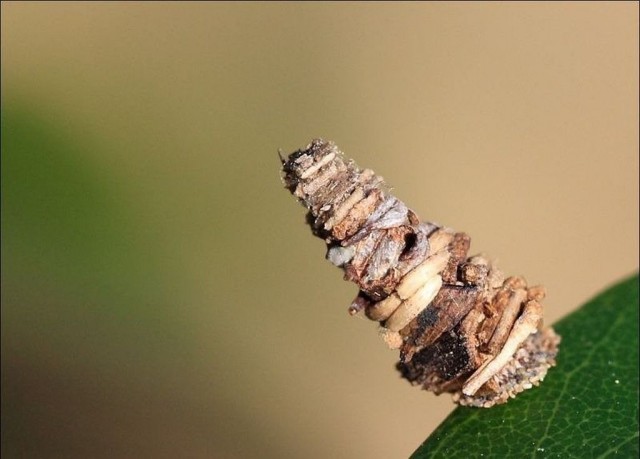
point(586, 407)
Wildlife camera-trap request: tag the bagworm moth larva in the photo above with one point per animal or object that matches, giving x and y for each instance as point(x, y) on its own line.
point(460, 325)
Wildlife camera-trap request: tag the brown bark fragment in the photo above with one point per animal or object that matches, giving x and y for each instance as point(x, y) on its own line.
point(507, 318)
point(458, 249)
point(492, 312)
point(537, 292)
point(474, 274)
point(449, 357)
point(357, 216)
point(449, 307)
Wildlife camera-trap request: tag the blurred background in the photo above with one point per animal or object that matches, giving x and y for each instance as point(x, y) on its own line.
point(161, 294)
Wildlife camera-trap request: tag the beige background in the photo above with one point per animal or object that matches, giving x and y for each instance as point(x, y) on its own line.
point(161, 296)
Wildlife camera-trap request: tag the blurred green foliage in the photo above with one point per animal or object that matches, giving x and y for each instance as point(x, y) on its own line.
point(73, 252)
point(57, 211)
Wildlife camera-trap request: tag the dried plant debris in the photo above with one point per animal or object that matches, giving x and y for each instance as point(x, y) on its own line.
point(460, 325)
